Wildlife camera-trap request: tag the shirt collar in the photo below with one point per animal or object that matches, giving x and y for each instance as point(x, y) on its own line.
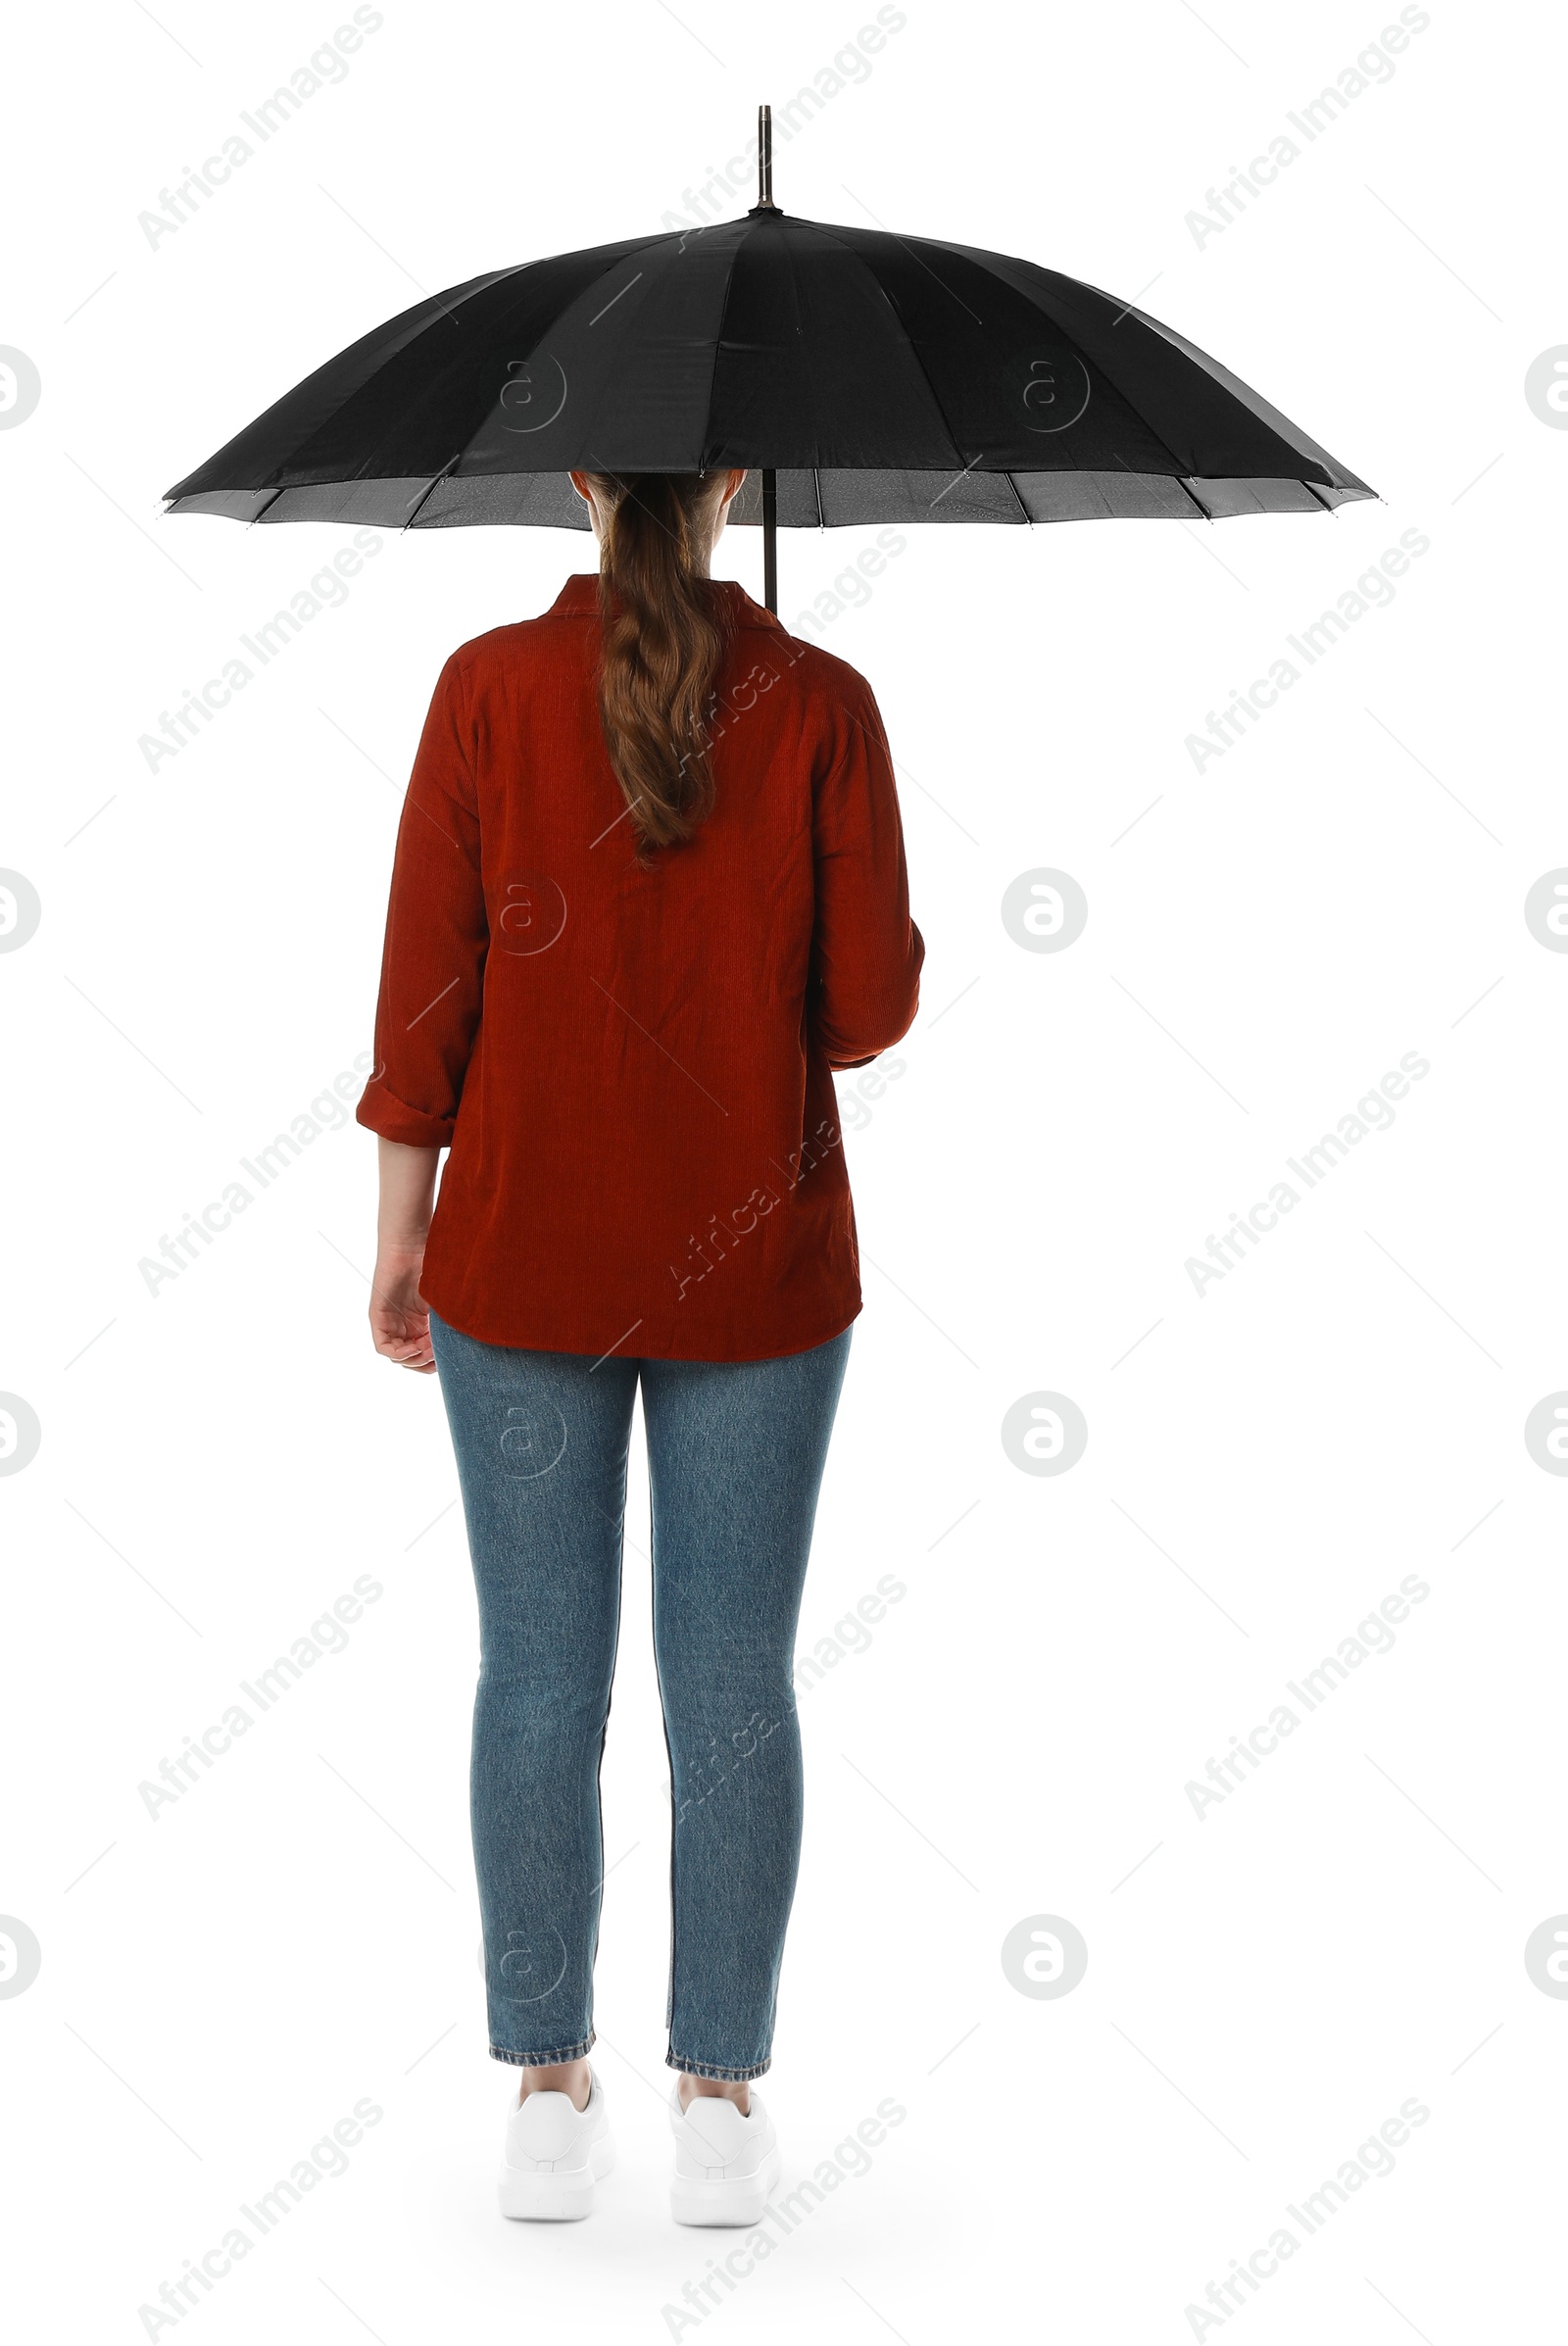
point(579, 599)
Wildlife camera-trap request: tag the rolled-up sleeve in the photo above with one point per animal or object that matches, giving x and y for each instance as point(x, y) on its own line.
point(866, 951)
point(433, 965)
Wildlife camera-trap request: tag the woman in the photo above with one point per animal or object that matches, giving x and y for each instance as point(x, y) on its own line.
point(649, 892)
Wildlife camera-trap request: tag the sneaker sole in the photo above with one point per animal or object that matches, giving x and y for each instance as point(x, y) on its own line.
point(546, 2196)
point(740, 2200)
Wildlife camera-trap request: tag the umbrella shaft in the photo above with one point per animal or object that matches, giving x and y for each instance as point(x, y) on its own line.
point(770, 541)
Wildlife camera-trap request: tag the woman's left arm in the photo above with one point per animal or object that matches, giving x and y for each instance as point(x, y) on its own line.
point(400, 1318)
point(427, 1015)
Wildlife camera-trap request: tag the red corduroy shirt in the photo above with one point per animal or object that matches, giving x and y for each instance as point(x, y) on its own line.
point(632, 1065)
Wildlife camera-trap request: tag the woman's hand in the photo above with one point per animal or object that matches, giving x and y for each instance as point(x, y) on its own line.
point(400, 1317)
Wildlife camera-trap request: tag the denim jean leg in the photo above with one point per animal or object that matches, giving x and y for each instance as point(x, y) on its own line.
point(736, 1453)
point(541, 1448)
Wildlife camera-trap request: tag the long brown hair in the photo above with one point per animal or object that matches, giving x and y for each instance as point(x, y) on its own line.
point(661, 643)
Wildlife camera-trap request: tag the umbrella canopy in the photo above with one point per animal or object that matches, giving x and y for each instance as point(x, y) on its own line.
point(865, 377)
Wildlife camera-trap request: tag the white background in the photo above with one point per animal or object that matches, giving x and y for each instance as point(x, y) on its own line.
point(220, 1462)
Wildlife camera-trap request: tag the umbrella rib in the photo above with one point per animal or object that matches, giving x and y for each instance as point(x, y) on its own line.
point(1022, 508)
point(1185, 488)
point(434, 482)
point(816, 492)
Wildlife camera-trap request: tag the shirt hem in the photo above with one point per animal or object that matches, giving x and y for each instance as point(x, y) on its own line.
point(465, 1325)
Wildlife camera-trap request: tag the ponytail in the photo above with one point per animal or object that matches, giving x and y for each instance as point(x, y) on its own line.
point(661, 643)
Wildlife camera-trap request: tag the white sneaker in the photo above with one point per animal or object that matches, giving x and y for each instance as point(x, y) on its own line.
point(555, 2153)
point(725, 2164)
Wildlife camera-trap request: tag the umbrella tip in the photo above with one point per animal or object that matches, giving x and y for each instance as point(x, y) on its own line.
point(765, 159)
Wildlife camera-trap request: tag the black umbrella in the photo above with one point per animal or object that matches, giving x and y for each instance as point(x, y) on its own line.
point(864, 376)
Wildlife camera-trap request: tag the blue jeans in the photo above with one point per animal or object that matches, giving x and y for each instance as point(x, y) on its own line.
point(735, 1457)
